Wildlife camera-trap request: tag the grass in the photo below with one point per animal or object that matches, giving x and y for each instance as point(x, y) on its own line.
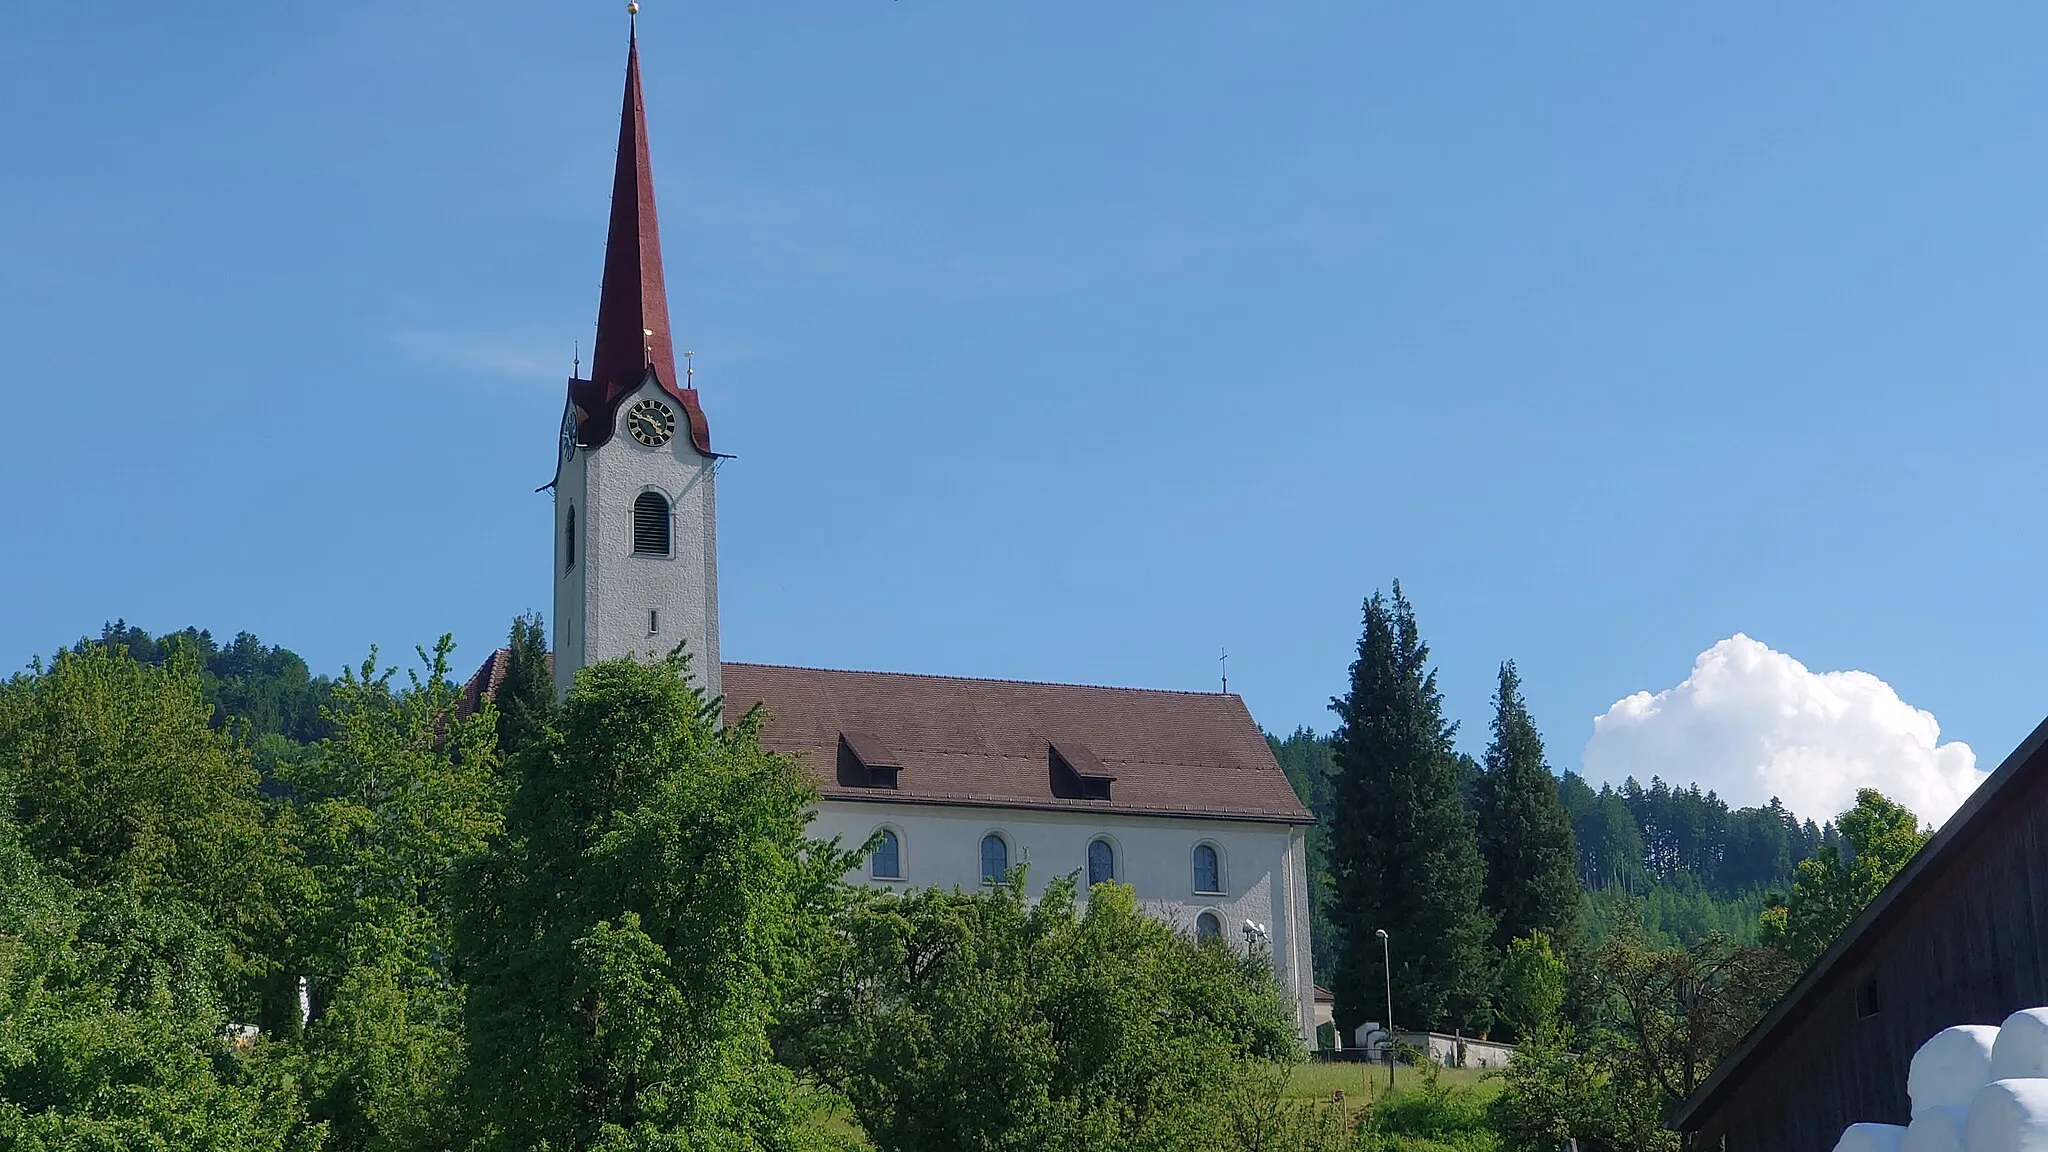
point(1429, 1109)
point(1316, 1081)
point(1415, 1122)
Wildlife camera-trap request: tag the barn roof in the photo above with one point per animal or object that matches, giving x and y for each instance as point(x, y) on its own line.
point(1949, 844)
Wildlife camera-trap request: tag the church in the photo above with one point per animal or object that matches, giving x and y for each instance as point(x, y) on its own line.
point(958, 780)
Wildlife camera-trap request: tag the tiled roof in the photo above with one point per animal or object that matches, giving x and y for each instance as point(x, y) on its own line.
point(484, 684)
point(989, 742)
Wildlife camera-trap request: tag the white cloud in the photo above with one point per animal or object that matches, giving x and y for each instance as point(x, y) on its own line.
point(1752, 723)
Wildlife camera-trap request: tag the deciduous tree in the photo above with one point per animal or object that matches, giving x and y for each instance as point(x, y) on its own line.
point(405, 787)
point(1831, 888)
point(971, 1022)
point(631, 936)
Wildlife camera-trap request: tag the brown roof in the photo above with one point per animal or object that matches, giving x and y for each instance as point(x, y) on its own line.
point(484, 684)
point(989, 742)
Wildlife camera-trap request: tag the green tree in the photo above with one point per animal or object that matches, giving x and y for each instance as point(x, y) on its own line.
point(1675, 1012)
point(1524, 834)
point(1403, 852)
point(645, 915)
point(113, 1032)
point(264, 689)
point(406, 786)
point(1832, 887)
point(1529, 991)
point(117, 782)
point(527, 694)
point(1550, 1094)
point(968, 1022)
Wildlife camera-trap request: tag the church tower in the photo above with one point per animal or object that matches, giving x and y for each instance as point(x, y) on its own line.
point(636, 510)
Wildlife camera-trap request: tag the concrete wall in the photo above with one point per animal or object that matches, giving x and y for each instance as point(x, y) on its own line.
point(602, 605)
point(1442, 1048)
point(1263, 866)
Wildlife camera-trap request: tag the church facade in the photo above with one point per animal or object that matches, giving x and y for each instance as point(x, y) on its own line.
point(957, 780)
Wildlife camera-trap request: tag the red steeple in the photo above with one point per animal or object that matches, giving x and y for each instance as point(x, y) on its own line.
point(632, 304)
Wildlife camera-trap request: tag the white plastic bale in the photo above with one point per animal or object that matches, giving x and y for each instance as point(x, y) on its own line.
point(2022, 1048)
point(1871, 1138)
point(1938, 1129)
point(2009, 1116)
point(1949, 1069)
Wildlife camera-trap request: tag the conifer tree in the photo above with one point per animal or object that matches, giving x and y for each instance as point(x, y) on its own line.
point(1403, 853)
point(1524, 833)
point(527, 694)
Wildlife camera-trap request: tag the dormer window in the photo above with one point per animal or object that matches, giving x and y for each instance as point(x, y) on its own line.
point(651, 525)
point(1077, 773)
point(865, 762)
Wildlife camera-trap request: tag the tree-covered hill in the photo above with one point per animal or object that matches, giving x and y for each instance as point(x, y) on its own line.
point(265, 687)
point(1684, 858)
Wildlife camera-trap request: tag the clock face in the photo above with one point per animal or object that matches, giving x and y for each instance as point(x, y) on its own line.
point(569, 435)
point(651, 422)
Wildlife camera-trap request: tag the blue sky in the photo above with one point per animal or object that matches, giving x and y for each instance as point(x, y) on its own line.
point(1062, 341)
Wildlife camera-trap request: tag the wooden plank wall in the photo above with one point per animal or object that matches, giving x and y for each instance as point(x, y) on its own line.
point(1970, 946)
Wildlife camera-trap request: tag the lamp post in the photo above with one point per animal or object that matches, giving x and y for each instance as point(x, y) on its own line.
point(1254, 935)
point(1387, 960)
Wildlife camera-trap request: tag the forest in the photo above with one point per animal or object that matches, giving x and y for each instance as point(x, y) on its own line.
point(1680, 860)
point(245, 906)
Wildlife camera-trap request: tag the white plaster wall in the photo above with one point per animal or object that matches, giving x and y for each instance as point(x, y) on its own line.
point(618, 588)
point(570, 493)
point(1264, 876)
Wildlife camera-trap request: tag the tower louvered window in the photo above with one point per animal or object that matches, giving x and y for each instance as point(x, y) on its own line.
point(650, 525)
point(569, 541)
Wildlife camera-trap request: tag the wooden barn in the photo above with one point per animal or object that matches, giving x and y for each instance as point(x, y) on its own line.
point(1960, 936)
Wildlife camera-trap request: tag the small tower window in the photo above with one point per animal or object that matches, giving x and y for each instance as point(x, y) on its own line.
point(650, 525)
point(654, 621)
point(569, 542)
point(1208, 929)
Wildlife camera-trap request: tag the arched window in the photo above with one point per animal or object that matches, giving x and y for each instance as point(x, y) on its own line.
point(650, 525)
point(995, 859)
point(1101, 862)
point(1208, 929)
point(569, 541)
point(1208, 869)
point(887, 861)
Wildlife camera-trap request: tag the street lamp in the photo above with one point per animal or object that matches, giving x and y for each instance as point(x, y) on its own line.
point(1254, 935)
point(1387, 961)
